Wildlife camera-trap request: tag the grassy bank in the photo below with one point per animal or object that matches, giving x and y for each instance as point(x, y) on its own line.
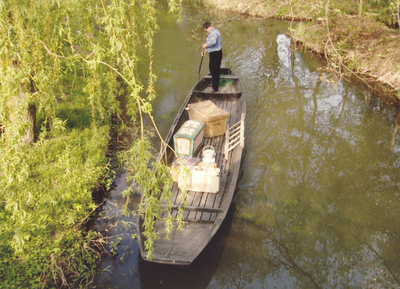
point(357, 43)
point(47, 199)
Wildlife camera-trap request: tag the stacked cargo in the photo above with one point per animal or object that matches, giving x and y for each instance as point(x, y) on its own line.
point(206, 120)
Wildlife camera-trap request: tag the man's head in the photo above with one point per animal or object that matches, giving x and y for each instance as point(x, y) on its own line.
point(207, 25)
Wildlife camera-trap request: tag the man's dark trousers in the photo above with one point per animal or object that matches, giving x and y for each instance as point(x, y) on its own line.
point(215, 65)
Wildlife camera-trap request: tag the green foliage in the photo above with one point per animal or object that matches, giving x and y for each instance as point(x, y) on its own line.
point(74, 116)
point(353, 62)
point(73, 61)
point(150, 177)
point(303, 9)
point(345, 7)
point(283, 11)
point(46, 194)
point(114, 245)
point(388, 12)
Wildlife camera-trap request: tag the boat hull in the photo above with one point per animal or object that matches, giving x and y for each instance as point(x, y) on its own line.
point(204, 212)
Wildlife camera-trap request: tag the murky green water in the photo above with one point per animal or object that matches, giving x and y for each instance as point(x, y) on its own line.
point(318, 202)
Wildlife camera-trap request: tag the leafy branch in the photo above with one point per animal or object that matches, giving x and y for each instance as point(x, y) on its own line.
point(66, 59)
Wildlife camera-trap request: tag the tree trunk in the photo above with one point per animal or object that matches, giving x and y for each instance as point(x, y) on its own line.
point(31, 119)
point(398, 14)
point(25, 111)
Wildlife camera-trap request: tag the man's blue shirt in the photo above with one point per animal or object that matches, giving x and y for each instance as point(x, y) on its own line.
point(214, 39)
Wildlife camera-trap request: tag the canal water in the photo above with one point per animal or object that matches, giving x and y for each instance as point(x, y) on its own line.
point(318, 202)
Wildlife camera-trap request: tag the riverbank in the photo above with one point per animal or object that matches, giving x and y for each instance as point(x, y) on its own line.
point(355, 47)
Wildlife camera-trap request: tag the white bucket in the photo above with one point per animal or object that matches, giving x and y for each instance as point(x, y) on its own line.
point(208, 154)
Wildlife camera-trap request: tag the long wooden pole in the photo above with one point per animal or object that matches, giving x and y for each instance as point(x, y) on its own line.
point(200, 65)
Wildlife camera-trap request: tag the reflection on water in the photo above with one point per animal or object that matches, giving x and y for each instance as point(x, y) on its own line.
point(320, 188)
point(318, 203)
point(285, 75)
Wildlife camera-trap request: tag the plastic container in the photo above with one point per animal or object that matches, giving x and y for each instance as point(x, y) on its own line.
point(208, 154)
point(201, 178)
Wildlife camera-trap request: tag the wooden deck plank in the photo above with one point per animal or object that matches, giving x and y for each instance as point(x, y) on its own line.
point(235, 117)
point(201, 204)
point(189, 203)
point(218, 197)
point(197, 209)
point(209, 205)
point(196, 202)
point(223, 76)
point(224, 179)
point(200, 215)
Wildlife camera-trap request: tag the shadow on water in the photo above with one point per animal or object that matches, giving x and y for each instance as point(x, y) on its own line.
point(118, 268)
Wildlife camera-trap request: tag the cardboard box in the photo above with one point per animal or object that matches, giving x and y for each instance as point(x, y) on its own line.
point(214, 118)
point(188, 138)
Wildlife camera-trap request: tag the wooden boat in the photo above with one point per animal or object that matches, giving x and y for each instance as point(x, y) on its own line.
point(204, 212)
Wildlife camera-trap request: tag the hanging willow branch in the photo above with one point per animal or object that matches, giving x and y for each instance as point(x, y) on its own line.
point(73, 60)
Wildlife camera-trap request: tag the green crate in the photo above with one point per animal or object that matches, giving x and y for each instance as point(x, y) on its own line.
point(226, 82)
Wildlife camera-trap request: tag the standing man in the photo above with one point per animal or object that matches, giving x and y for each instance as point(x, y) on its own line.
point(213, 46)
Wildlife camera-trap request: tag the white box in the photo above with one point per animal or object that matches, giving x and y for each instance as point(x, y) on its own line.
point(201, 179)
point(205, 179)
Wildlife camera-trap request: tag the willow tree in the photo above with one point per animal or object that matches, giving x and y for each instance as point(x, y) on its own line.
point(59, 60)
